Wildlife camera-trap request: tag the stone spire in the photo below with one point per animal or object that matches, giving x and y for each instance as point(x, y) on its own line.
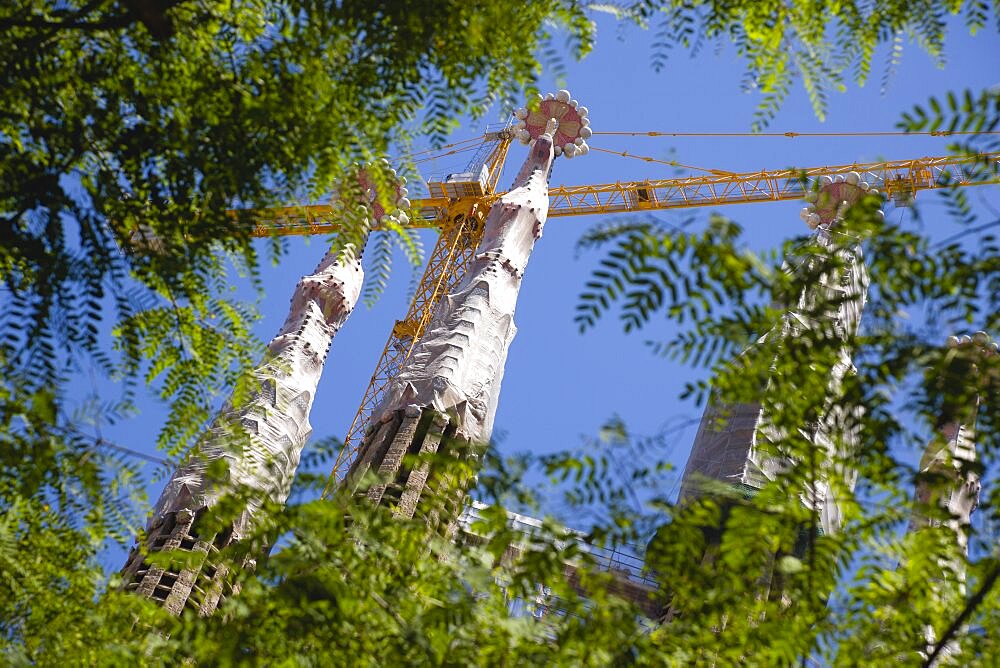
point(450, 384)
point(731, 443)
point(445, 395)
point(947, 477)
point(735, 443)
point(252, 448)
point(948, 486)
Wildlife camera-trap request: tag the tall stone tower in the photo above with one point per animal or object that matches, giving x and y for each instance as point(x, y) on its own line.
point(948, 486)
point(252, 448)
point(737, 446)
point(730, 445)
point(447, 390)
point(947, 478)
point(449, 386)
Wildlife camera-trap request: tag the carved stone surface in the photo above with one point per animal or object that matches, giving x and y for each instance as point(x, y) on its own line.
point(252, 447)
point(449, 386)
point(730, 445)
point(948, 478)
point(835, 431)
point(945, 458)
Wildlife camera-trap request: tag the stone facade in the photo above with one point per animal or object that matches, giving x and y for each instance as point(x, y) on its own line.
point(731, 445)
point(947, 473)
point(446, 393)
point(252, 450)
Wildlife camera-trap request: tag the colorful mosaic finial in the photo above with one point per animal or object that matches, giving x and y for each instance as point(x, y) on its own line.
point(572, 124)
point(829, 200)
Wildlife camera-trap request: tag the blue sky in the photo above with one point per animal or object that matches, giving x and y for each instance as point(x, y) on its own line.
point(560, 385)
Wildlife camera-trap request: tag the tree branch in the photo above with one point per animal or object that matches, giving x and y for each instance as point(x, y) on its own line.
point(970, 607)
point(971, 230)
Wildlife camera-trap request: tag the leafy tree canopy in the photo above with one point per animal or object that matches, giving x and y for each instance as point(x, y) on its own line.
point(129, 128)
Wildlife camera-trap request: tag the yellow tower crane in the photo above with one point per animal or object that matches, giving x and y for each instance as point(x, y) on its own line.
point(458, 206)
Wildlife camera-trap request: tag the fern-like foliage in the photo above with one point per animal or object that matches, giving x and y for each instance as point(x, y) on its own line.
point(650, 269)
point(125, 140)
point(822, 44)
point(965, 112)
point(893, 59)
point(378, 258)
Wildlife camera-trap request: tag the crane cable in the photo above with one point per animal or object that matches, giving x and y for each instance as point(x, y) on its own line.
point(439, 148)
point(440, 151)
point(475, 142)
point(671, 163)
point(792, 135)
point(454, 151)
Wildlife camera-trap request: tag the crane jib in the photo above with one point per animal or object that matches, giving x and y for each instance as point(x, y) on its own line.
point(892, 177)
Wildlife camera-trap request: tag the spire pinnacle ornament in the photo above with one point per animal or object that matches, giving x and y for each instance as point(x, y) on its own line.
point(572, 124)
point(831, 197)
